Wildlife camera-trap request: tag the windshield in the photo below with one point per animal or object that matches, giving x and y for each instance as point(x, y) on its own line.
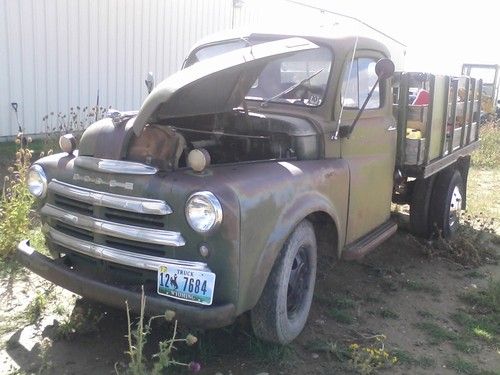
point(298, 79)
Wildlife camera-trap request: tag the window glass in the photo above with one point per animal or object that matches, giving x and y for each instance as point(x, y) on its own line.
point(356, 88)
point(307, 70)
point(304, 73)
point(350, 98)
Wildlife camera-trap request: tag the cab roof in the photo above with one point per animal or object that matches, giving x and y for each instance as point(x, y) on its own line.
point(336, 36)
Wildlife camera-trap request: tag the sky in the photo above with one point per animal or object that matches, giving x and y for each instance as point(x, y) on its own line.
point(440, 35)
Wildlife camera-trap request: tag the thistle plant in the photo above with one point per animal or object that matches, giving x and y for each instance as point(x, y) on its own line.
point(163, 359)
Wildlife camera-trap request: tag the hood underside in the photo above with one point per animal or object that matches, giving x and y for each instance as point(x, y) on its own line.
point(215, 85)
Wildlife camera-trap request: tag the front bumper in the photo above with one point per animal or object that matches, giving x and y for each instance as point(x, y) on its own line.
point(111, 295)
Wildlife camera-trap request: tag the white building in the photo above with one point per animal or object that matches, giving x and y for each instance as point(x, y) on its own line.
point(57, 54)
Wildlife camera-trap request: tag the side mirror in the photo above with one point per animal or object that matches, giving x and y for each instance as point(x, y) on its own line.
point(384, 68)
point(150, 82)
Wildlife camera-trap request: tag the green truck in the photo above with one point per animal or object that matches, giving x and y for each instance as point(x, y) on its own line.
point(265, 152)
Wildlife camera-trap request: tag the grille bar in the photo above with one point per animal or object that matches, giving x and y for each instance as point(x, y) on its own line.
point(129, 232)
point(120, 202)
point(122, 257)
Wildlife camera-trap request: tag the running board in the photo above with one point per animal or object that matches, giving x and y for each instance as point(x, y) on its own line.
point(369, 242)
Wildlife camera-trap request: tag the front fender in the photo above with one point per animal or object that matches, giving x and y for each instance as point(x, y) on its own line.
point(268, 216)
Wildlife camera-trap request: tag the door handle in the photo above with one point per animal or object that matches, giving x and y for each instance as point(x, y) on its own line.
point(392, 128)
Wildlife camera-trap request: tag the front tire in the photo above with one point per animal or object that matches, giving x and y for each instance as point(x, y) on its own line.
point(447, 202)
point(283, 308)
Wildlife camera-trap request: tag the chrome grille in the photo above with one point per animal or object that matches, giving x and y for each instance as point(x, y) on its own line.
point(122, 229)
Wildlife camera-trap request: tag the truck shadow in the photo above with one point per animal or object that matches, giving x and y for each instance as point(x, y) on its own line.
point(348, 299)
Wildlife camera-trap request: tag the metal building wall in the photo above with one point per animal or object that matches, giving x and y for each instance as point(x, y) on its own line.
point(55, 54)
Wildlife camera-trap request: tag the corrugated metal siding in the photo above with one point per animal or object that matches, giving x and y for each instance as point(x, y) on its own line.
point(55, 54)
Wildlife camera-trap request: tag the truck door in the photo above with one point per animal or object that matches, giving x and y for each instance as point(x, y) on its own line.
point(370, 150)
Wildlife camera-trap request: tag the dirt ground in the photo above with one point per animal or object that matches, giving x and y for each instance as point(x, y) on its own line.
point(391, 292)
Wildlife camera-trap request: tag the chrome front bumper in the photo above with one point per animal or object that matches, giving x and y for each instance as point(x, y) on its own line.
point(122, 257)
point(86, 285)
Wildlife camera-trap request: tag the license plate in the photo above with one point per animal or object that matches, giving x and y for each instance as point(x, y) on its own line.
point(186, 284)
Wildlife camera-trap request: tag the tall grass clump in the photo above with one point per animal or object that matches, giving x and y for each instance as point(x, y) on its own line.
point(16, 200)
point(488, 154)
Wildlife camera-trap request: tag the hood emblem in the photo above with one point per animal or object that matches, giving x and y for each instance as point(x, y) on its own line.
point(100, 181)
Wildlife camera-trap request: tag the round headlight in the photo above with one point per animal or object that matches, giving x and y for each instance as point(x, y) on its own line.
point(203, 211)
point(37, 181)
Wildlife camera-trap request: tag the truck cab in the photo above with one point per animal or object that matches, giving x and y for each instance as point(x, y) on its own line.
point(218, 196)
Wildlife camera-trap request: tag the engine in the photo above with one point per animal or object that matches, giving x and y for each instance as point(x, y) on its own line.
point(228, 138)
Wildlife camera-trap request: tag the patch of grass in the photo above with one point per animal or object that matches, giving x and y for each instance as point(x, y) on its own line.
point(266, 352)
point(344, 302)
point(487, 300)
point(373, 299)
point(420, 286)
point(483, 194)
point(481, 319)
point(488, 154)
point(475, 274)
point(425, 314)
point(339, 351)
point(341, 316)
point(463, 366)
point(388, 314)
point(436, 333)
point(406, 359)
point(464, 345)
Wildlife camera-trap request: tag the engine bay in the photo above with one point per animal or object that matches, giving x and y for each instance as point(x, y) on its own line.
point(227, 138)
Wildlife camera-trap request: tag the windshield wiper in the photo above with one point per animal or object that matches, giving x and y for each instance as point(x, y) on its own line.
point(291, 88)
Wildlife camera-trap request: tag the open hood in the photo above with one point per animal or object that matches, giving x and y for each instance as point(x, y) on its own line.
point(214, 85)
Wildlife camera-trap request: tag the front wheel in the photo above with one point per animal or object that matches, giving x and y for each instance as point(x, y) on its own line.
point(283, 308)
point(447, 199)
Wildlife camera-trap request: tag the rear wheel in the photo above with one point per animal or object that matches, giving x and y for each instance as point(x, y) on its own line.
point(283, 308)
point(446, 202)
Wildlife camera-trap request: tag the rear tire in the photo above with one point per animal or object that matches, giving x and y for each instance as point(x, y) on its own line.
point(283, 308)
point(447, 201)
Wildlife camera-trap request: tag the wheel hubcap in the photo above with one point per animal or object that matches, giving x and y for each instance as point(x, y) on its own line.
point(455, 207)
point(298, 282)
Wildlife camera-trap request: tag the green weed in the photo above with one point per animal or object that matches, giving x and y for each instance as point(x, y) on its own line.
point(268, 352)
point(16, 200)
point(475, 274)
point(341, 316)
point(344, 302)
point(425, 314)
point(420, 286)
point(36, 307)
point(388, 314)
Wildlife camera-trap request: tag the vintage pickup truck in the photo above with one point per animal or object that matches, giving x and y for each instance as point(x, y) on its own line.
point(265, 152)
